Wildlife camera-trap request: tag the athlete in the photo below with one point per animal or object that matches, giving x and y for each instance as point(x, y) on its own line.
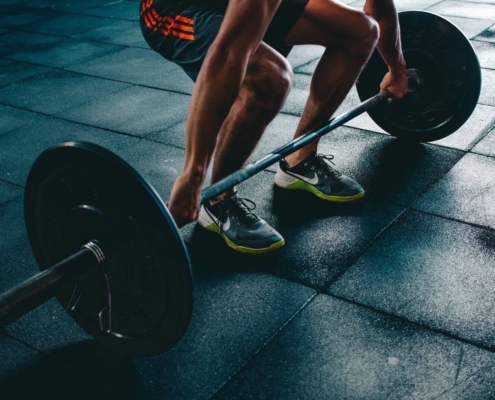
point(235, 52)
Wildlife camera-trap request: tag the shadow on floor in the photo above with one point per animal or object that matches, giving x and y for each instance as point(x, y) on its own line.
point(79, 371)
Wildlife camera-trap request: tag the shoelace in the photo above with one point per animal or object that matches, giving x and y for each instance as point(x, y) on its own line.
point(321, 164)
point(237, 207)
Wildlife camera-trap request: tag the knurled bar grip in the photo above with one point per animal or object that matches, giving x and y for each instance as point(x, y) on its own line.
point(289, 148)
point(43, 286)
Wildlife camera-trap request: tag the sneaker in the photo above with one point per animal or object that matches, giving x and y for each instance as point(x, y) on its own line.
point(316, 175)
point(232, 218)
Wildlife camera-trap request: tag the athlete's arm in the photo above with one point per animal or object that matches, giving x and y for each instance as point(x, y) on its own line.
point(216, 89)
point(389, 46)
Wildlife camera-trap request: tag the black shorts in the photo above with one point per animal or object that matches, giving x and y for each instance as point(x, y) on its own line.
point(182, 31)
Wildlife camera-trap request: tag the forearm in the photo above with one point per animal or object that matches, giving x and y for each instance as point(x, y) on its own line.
point(389, 46)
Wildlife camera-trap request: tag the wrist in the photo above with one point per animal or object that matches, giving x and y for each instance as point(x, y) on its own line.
point(194, 175)
point(398, 68)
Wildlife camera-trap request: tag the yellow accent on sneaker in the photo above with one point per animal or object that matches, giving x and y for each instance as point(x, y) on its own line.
point(301, 185)
point(214, 228)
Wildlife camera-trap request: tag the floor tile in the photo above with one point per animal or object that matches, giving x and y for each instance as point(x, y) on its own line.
point(301, 55)
point(487, 145)
point(174, 80)
point(470, 26)
point(487, 95)
point(307, 68)
point(124, 33)
point(482, 119)
point(7, 4)
point(363, 121)
point(298, 95)
point(59, 90)
point(9, 192)
point(403, 5)
point(158, 164)
point(32, 3)
point(234, 315)
point(279, 132)
point(28, 374)
point(17, 18)
point(486, 53)
point(12, 41)
point(137, 111)
point(138, 66)
point(17, 259)
point(464, 9)
point(14, 71)
point(76, 6)
point(64, 53)
point(339, 350)
point(488, 35)
point(43, 133)
point(482, 1)
point(63, 24)
point(174, 135)
point(117, 9)
point(15, 357)
point(429, 270)
point(11, 118)
point(465, 193)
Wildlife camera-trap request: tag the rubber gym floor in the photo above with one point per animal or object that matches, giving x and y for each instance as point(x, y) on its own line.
point(390, 297)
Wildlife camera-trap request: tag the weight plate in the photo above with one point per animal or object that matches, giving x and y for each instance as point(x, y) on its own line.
point(451, 80)
point(141, 302)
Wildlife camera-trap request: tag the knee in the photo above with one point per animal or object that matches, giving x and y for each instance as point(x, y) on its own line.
point(366, 37)
point(269, 84)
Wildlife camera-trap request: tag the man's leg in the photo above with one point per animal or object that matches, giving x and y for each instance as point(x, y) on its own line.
point(265, 87)
point(349, 37)
point(263, 93)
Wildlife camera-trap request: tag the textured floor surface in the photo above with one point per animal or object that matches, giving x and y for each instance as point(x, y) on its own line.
point(391, 297)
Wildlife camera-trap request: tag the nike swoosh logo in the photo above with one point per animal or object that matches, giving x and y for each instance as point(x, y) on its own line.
point(226, 225)
point(312, 181)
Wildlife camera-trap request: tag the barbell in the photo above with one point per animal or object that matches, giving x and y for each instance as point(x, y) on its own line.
point(108, 248)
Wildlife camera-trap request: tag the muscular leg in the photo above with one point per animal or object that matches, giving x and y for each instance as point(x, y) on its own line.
point(349, 36)
point(265, 87)
point(263, 92)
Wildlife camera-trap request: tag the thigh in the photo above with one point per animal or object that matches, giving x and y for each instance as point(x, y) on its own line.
point(327, 22)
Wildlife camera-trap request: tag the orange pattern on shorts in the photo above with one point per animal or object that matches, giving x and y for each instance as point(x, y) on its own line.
point(179, 26)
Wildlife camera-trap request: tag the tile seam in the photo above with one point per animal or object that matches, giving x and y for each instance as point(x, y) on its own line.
point(445, 333)
point(267, 341)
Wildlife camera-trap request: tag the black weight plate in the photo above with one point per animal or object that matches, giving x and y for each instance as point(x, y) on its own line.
point(77, 192)
point(451, 80)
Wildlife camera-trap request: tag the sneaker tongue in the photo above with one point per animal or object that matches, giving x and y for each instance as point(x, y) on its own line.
point(242, 211)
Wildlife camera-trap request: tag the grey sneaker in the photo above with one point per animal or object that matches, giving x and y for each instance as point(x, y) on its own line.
point(316, 175)
point(233, 219)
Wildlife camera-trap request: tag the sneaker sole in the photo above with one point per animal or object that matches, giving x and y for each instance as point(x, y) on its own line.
point(301, 185)
point(242, 249)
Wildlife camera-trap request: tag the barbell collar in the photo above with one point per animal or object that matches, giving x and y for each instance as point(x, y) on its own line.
point(33, 292)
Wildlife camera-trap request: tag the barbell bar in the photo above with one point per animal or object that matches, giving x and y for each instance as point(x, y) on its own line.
point(109, 249)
